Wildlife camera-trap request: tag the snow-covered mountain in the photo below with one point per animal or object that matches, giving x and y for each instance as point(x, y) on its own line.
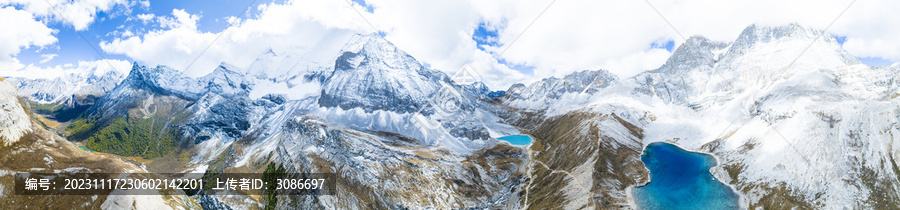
point(793, 119)
point(74, 89)
point(541, 94)
point(703, 71)
point(27, 147)
point(373, 112)
point(378, 76)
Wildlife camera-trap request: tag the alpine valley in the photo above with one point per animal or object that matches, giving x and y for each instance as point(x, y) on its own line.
point(791, 119)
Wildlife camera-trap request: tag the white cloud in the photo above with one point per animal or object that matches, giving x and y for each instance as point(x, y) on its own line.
point(27, 27)
point(616, 35)
point(872, 29)
point(21, 30)
point(145, 4)
point(298, 23)
point(79, 13)
point(146, 18)
point(572, 35)
point(47, 57)
point(173, 47)
point(440, 33)
point(636, 63)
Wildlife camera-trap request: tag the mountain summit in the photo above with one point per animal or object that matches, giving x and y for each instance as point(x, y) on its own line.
point(788, 113)
point(378, 76)
point(759, 56)
point(792, 120)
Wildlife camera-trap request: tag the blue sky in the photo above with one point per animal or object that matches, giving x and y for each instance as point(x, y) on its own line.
point(509, 41)
point(70, 47)
point(871, 61)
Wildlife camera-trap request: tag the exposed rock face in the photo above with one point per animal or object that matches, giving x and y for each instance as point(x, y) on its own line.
point(14, 122)
point(378, 76)
point(29, 148)
point(790, 126)
point(810, 130)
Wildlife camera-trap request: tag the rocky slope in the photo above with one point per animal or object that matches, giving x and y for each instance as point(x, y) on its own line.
point(810, 132)
point(28, 147)
point(793, 119)
point(397, 133)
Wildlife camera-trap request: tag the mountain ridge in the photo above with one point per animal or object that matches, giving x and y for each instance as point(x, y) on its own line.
point(404, 135)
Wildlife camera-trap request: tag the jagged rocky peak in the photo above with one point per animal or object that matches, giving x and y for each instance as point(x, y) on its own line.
point(478, 89)
point(372, 74)
point(592, 79)
point(761, 34)
point(540, 94)
point(167, 81)
point(225, 72)
point(515, 88)
point(481, 90)
point(141, 74)
point(794, 39)
point(163, 80)
point(586, 81)
point(696, 51)
point(226, 79)
point(363, 49)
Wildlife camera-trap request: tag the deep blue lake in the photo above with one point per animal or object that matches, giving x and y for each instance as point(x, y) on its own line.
point(517, 139)
point(680, 179)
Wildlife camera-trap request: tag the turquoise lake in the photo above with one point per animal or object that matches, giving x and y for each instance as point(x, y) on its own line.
point(680, 179)
point(517, 139)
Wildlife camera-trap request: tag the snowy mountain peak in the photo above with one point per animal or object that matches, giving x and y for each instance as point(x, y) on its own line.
point(374, 75)
point(702, 70)
point(374, 48)
point(226, 79)
point(143, 73)
point(757, 33)
point(695, 52)
point(163, 80)
point(789, 41)
point(542, 94)
point(225, 67)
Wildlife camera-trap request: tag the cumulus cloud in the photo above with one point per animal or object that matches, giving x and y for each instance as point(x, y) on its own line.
point(617, 36)
point(79, 13)
point(145, 4)
point(145, 18)
point(26, 26)
point(872, 29)
point(175, 45)
point(21, 30)
point(47, 57)
point(440, 33)
point(291, 25)
point(571, 35)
